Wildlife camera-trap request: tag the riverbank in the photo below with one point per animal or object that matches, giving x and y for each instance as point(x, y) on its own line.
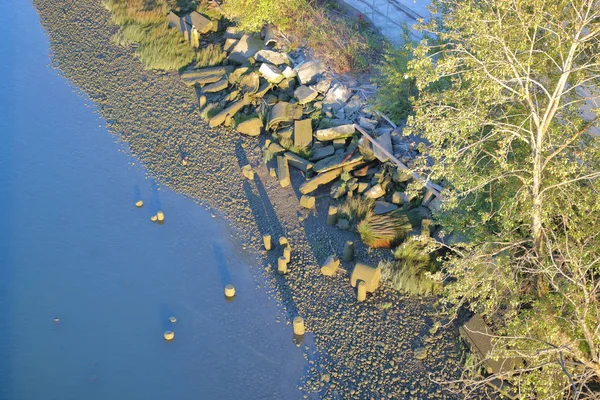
point(365, 349)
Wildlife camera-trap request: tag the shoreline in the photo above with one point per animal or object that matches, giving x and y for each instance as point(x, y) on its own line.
point(363, 350)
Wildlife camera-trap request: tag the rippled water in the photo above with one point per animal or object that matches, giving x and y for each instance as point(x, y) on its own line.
point(73, 245)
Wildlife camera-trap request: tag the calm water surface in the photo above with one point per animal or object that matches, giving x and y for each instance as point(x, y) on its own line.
point(73, 245)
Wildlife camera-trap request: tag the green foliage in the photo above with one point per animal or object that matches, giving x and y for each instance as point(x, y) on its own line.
point(395, 88)
point(500, 97)
point(251, 15)
point(144, 23)
point(412, 271)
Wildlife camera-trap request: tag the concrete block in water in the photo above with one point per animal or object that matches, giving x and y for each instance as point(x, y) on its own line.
point(160, 216)
point(139, 203)
point(169, 335)
point(267, 242)
point(283, 171)
point(229, 290)
point(298, 326)
point(330, 266)
point(282, 265)
point(370, 275)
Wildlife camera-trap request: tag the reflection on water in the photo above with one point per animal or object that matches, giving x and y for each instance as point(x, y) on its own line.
point(73, 246)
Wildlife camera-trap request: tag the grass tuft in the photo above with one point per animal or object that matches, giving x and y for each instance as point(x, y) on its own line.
point(210, 56)
point(356, 209)
point(383, 231)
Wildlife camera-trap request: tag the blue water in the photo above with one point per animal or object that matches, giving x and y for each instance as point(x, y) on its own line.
point(73, 245)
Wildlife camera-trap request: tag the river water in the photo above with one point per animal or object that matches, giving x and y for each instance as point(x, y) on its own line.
point(74, 246)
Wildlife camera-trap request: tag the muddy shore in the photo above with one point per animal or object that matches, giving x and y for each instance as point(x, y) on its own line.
point(364, 350)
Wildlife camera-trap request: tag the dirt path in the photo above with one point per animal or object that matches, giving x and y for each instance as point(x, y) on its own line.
point(364, 350)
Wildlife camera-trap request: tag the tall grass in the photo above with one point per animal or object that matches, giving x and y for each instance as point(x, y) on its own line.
point(356, 209)
point(210, 56)
point(144, 22)
point(385, 230)
point(409, 271)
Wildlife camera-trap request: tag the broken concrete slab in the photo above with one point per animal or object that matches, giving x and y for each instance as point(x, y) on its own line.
point(271, 73)
point(307, 201)
point(298, 162)
point(245, 48)
point(330, 266)
point(178, 23)
point(229, 44)
point(275, 148)
point(383, 207)
point(272, 57)
point(305, 94)
point(337, 161)
point(249, 83)
point(283, 171)
point(303, 134)
point(288, 72)
point(202, 24)
point(323, 85)
point(367, 124)
point(250, 127)
point(336, 97)
point(309, 71)
point(216, 86)
point(339, 143)
point(384, 141)
point(370, 275)
point(262, 89)
point(232, 33)
point(204, 76)
point(337, 132)
point(228, 112)
point(283, 112)
point(321, 179)
point(319, 153)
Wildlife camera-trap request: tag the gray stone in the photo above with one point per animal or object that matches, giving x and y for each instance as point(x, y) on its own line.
point(322, 152)
point(179, 24)
point(245, 48)
point(375, 192)
point(337, 132)
point(272, 57)
point(307, 201)
point(233, 33)
point(271, 73)
point(339, 143)
point(250, 127)
point(323, 85)
point(228, 112)
point(366, 123)
point(353, 107)
point(303, 133)
point(305, 94)
point(385, 141)
point(383, 207)
point(286, 133)
point(337, 161)
point(330, 266)
point(309, 71)
point(336, 97)
point(343, 224)
point(275, 148)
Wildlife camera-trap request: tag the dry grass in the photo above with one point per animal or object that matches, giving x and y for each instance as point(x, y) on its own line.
point(210, 56)
point(385, 230)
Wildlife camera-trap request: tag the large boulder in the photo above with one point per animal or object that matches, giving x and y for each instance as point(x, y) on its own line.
point(245, 48)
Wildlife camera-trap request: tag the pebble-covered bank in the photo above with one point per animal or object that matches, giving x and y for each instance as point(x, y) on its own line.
point(383, 347)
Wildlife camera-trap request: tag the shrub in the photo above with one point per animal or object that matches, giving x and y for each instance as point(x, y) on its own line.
point(395, 88)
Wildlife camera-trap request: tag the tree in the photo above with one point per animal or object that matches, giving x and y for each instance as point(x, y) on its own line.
point(506, 100)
